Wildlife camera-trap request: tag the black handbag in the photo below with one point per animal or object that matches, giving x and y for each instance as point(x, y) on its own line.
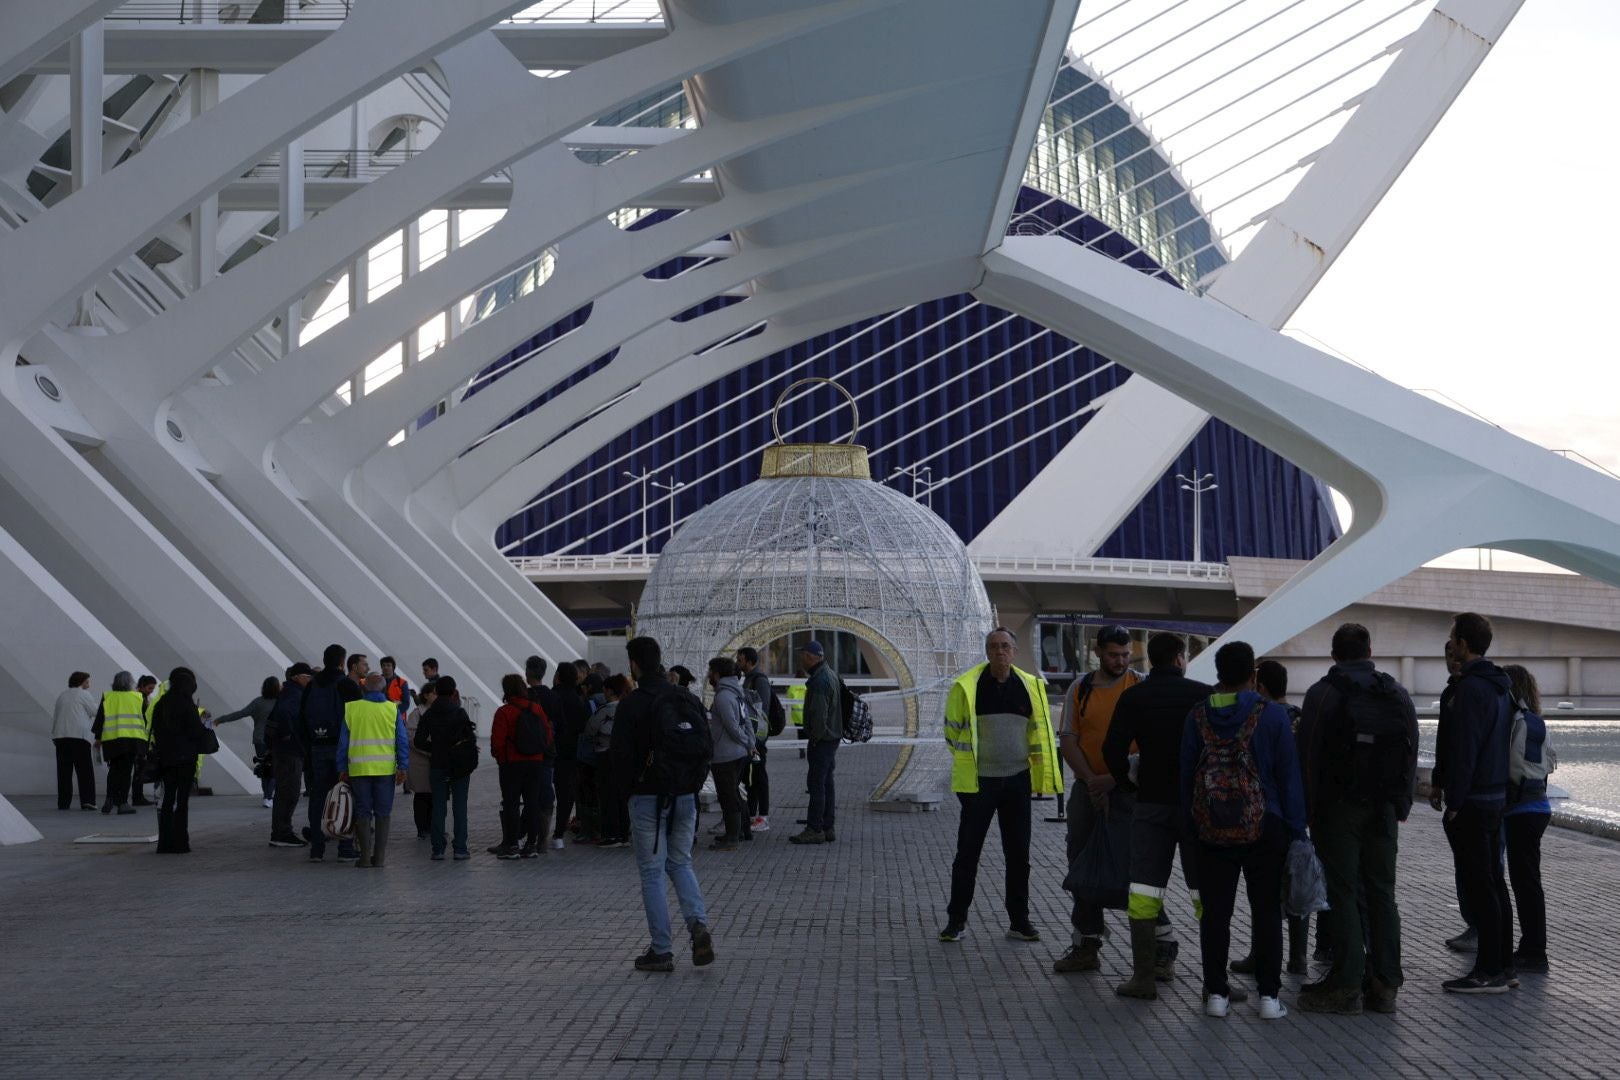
point(209, 743)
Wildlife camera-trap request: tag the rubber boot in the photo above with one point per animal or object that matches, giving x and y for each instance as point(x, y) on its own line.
point(362, 837)
point(1144, 950)
point(379, 841)
point(1164, 959)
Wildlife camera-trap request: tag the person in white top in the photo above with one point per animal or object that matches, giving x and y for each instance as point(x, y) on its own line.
point(71, 721)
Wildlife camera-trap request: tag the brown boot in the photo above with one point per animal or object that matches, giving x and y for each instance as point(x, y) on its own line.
point(1144, 948)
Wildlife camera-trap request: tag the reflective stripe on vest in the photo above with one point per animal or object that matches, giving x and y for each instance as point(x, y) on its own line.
point(122, 716)
point(371, 727)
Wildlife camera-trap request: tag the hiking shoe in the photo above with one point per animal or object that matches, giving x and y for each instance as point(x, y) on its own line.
point(1473, 983)
point(87, 806)
point(461, 856)
point(1243, 965)
point(508, 852)
point(529, 852)
point(1512, 978)
point(1216, 1005)
point(1467, 941)
point(953, 932)
point(1272, 1008)
point(809, 836)
point(122, 810)
point(1378, 996)
point(655, 961)
point(760, 824)
point(1337, 1002)
point(702, 946)
point(317, 856)
point(827, 836)
point(1530, 964)
point(1082, 957)
point(287, 841)
point(1023, 932)
point(496, 849)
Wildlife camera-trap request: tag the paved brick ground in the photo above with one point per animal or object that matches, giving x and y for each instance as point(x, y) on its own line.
point(247, 961)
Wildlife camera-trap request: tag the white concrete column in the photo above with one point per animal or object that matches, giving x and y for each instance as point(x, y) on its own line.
point(452, 240)
point(291, 206)
point(1408, 669)
point(1573, 682)
point(205, 216)
point(86, 56)
point(359, 286)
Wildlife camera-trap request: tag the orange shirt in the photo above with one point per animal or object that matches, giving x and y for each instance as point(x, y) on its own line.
point(1090, 722)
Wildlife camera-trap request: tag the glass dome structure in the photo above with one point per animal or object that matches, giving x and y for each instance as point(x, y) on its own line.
point(815, 542)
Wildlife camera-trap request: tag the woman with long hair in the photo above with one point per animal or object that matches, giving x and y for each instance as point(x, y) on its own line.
point(1525, 820)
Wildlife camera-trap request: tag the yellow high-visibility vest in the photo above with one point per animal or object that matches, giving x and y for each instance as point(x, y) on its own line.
point(795, 708)
point(371, 737)
point(122, 716)
point(962, 733)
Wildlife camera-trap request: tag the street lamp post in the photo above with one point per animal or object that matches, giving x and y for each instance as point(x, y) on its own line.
point(670, 485)
point(923, 475)
point(1198, 486)
point(641, 477)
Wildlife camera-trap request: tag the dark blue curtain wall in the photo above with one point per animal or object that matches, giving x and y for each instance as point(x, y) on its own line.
point(985, 415)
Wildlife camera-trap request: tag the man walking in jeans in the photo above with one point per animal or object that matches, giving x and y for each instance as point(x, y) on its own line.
point(824, 728)
point(663, 822)
point(1475, 795)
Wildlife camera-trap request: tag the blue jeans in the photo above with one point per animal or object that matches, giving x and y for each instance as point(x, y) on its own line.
point(320, 770)
point(443, 789)
point(373, 796)
point(663, 844)
point(822, 757)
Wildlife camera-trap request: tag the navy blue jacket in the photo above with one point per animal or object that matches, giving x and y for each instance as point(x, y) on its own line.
point(320, 720)
point(281, 730)
point(1477, 728)
point(1274, 755)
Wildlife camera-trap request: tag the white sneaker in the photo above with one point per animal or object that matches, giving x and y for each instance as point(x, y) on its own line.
point(269, 804)
point(760, 824)
point(1217, 1005)
point(1272, 1008)
point(556, 843)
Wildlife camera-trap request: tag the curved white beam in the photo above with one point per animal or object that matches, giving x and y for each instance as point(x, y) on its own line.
point(1423, 479)
point(31, 29)
point(1267, 282)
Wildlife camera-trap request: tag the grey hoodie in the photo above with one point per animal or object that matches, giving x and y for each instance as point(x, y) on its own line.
point(730, 734)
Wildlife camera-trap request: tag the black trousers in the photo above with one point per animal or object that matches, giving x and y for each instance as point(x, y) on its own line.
point(289, 782)
point(615, 806)
point(522, 802)
point(758, 785)
point(120, 767)
point(727, 776)
point(566, 781)
point(1478, 828)
point(1261, 865)
point(1005, 798)
point(174, 837)
point(422, 812)
point(73, 759)
point(1524, 833)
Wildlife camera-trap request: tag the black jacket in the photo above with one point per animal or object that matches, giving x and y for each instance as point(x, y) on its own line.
point(177, 731)
point(1319, 724)
point(633, 734)
point(320, 718)
point(281, 730)
point(1476, 727)
point(568, 722)
point(443, 725)
point(1153, 715)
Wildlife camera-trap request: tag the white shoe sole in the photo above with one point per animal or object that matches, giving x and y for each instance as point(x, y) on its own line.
point(1216, 1007)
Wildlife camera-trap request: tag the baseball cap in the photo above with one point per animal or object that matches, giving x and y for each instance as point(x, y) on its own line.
point(813, 648)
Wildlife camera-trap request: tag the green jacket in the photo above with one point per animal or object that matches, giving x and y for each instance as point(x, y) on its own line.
point(823, 712)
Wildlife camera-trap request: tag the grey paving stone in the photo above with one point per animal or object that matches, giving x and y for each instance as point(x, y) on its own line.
point(248, 961)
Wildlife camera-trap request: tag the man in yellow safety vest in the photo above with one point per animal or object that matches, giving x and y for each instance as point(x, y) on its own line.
point(120, 733)
point(373, 754)
point(999, 728)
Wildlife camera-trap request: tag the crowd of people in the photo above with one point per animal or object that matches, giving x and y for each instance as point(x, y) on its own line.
point(1228, 778)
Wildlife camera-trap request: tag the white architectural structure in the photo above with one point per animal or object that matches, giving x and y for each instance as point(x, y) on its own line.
point(209, 404)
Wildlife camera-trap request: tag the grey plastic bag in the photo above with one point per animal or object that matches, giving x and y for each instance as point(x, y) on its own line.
point(1306, 893)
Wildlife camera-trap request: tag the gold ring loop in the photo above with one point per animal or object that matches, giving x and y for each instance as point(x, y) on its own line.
point(855, 412)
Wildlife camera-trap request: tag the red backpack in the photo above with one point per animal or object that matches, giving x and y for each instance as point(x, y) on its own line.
point(1228, 802)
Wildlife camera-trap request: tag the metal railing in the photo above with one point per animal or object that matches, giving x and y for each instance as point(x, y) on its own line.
point(618, 11)
point(1167, 570)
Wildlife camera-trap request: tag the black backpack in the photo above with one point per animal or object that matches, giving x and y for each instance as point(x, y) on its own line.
point(532, 736)
point(857, 714)
point(463, 752)
point(1374, 739)
point(678, 762)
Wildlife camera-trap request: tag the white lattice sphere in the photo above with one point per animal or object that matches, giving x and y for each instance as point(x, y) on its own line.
point(816, 542)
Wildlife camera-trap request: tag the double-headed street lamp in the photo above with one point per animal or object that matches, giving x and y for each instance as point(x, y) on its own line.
point(1198, 486)
point(671, 485)
point(920, 475)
